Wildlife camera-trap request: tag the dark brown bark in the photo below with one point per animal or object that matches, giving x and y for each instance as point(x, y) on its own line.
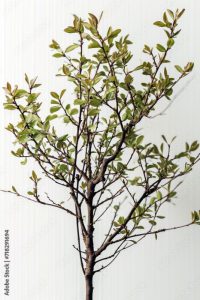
point(90, 253)
point(89, 279)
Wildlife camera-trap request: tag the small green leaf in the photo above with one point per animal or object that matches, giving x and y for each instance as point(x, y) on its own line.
point(54, 102)
point(57, 55)
point(181, 13)
point(65, 70)
point(116, 207)
point(55, 95)
point(95, 102)
point(70, 29)
point(135, 181)
point(14, 189)
point(170, 12)
point(179, 69)
point(66, 119)
point(152, 222)
point(62, 93)
point(139, 140)
point(189, 67)
point(121, 220)
point(152, 200)
point(74, 111)
point(160, 48)
point(51, 117)
point(170, 43)
point(164, 138)
point(9, 106)
point(114, 33)
point(159, 195)
point(30, 193)
point(23, 162)
point(93, 112)
point(128, 79)
point(34, 176)
point(20, 93)
point(54, 109)
point(194, 146)
point(79, 101)
point(159, 24)
point(71, 48)
point(93, 20)
point(94, 44)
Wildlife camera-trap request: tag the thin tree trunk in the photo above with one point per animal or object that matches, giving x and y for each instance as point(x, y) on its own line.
point(90, 253)
point(89, 270)
point(89, 284)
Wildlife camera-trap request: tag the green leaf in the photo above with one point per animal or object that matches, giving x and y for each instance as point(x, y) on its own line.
point(189, 67)
point(159, 24)
point(65, 70)
point(93, 112)
point(62, 93)
point(128, 79)
point(160, 48)
point(135, 181)
point(23, 162)
point(71, 48)
point(66, 119)
point(95, 102)
point(170, 12)
point(9, 106)
point(179, 69)
point(121, 220)
point(63, 167)
point(14, 189)
point(32, 97)
point(116, 224)
point(93, 20)
point(54, 102)
point(194, 146)
point(152, 222)
point(114, 33)
point(54, 109)
point(23, 138)
point(181, 154)
point(20, 93)
point(181, 13)
point(74, 111)
point(34, 176)
point(54, 45)
point(159, 195)
point(164, 138)
point(30, 193)
point(57, 55)
point(152, 200)
point(79, 101)
point(94, 44)
point(139, 140)
point(51, 117)
point(170, 43)
point(55, 95)
point(39, 137)
point(116, 207)
point(146, 49)
point(70, 29)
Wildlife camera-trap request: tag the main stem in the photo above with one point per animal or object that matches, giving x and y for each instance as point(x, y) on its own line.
point(89, 281)
point(90, 254)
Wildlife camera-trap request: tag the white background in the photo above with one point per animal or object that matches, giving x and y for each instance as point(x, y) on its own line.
point(44, 266)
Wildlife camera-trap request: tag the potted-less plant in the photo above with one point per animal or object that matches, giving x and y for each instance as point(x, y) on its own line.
point(113, 177)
